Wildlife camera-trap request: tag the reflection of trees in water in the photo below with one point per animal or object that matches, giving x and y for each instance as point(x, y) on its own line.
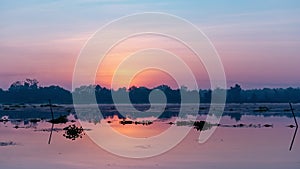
point(59, 120)
point(236, 116)
point(33, 116)
point(89, 115)
point(234, 111)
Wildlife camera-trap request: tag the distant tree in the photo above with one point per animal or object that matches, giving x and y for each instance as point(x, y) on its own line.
point(15, 86)
point(139, 94)
point(173, 96)
point(85, 94)
point(31, 83)
point(234, 94)
point(103, 95)
point(121, 96)
point(24, 85)
point(253, 98)
point(206, 96)
point(2, 95)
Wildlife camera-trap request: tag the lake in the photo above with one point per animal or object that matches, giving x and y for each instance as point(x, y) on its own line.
point(247, 136)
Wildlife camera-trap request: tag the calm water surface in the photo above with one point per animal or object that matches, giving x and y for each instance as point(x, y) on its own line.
point(247, 137)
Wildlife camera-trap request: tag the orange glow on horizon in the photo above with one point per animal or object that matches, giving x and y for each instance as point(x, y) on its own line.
point(148, 78)
point(145, 79)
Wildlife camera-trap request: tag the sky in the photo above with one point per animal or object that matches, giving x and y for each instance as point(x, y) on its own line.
point(257, 41)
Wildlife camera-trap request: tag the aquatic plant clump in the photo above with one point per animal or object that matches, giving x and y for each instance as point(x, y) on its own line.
point(73, 132)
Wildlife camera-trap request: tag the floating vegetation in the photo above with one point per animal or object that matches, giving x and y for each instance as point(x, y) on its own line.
point(7, 108)
point(268, 125)
point(291, 126)
point(4, 119)
point(73, 132)
point(9, 143)
point(198, 125)
point(13, 107)
point(144, 122)
point(202, 125)
point(16, 106)
point(61, 119)
point(34, 120)
point(49, 129)
point(262, 109)
point(126, 122)
point(241, 125)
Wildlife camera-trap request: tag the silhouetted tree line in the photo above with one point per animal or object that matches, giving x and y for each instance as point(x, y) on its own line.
point(29, 91)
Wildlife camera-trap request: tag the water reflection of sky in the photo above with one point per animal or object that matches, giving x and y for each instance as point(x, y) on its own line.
point(229, 146)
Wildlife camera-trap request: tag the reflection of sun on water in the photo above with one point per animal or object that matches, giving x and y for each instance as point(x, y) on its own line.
point(150, 77)
point(139, 130)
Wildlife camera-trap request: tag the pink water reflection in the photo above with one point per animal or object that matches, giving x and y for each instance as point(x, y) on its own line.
point(227, 148)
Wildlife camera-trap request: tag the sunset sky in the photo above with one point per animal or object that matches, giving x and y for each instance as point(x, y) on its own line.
point(258, 41)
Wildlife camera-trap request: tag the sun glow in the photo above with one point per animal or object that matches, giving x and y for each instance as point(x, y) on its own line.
point(122, 52)
point(145, 78)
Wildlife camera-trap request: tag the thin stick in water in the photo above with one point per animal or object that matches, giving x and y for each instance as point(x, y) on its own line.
point(52, 115)
point(292, 143)
point(49, 141)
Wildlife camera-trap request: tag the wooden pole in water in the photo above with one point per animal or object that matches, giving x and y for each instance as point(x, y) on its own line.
point(291, 146)
point(49, 141)
point(52, 115)
point(294, 115)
